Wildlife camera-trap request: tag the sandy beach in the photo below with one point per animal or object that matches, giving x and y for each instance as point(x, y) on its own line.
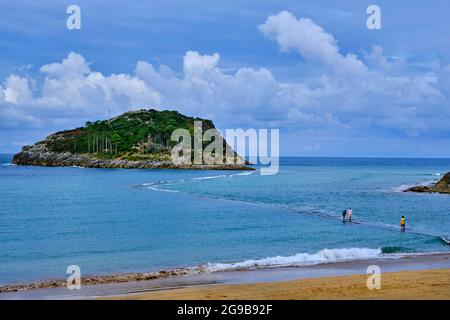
point(409, 277)
point(424, 284)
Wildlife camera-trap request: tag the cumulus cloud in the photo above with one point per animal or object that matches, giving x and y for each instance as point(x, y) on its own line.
point(310, 40)
point(381, 97)
point(206, 90)
point(194, 63)
point(74, 66)
point(70, 90)
point(377, 60)
point(369, 96)
point(16, 90)
point(72, 85)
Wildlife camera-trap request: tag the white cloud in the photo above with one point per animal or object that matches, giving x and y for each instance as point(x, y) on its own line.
point(195, 64)
point(366, 99)
point(71, 86)
point(74, 67)
point(378, 60)
point(349, 97)
point(205, 89)
point(16, 90)
point(310, 40)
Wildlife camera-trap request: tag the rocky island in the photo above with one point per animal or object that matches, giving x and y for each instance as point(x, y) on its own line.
point(442, 186)
point(136, 139)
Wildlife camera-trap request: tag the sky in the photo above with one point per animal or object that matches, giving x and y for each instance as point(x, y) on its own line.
point(312, 69)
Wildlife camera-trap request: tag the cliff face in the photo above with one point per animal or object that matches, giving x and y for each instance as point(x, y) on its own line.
point(139, 139)
point(442, 186)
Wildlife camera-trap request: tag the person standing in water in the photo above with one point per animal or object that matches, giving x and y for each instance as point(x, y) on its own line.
point(402, 224)
point(350, 214)
point(344, 214)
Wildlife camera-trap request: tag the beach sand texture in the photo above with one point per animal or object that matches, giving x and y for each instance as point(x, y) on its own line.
point(425, 284)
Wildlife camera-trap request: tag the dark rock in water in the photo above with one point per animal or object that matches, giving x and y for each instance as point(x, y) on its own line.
point(442, 186)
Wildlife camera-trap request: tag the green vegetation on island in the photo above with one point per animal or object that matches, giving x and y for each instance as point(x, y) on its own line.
point(135, 135)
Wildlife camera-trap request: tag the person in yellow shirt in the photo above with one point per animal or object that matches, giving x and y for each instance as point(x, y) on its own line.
point(402, 224)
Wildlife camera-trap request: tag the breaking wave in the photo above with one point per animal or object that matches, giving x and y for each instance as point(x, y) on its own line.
point(245, 173)
point(155, 186)
point(298, 260)
point(161, 190)
point(211, 177)
point(405, 187)
point(394, 249)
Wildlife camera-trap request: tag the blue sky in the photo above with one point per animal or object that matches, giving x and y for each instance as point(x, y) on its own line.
point(310, 68)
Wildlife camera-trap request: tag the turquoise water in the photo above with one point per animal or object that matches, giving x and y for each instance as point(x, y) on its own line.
point(112, 221)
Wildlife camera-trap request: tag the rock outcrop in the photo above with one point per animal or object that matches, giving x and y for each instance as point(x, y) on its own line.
point(442, 186)
point(37, 157)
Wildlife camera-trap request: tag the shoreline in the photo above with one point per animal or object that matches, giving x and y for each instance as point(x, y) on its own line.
point(67, 159)
point(127, 284)
point(441, 186)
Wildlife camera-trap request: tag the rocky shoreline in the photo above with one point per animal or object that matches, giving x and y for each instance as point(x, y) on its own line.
point(442, 186)
point(51, 159)
point(119, 278)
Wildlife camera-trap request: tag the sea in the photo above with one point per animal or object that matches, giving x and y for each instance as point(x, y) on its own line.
point(114, 221)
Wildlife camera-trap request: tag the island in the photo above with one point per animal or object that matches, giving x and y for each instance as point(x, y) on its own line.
point(134, 140)
point(441, 186)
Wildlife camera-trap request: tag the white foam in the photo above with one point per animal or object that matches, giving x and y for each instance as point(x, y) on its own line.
point(210, 177)
point(298, 260)
point(151, 185)
point(162, 190)
point(161, 182)
point(405, 187)
point(245, 173)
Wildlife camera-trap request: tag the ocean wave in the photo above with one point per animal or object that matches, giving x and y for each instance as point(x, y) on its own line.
point(298, 260)
point(210, 177)
point(153, 185)
point(159, 189)
point(245, 173)
point(395, 249)
point(404, 187)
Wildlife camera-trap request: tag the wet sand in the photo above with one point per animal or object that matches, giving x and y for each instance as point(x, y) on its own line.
point(423, 284)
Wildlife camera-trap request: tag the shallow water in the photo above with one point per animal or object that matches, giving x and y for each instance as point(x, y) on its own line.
point(112, 220)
